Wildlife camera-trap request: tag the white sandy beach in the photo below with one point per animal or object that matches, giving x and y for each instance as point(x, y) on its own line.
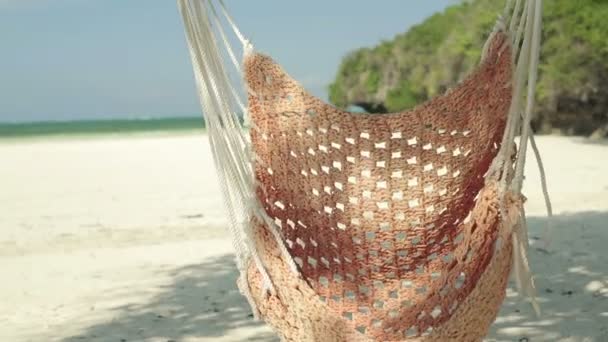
point(123, 239)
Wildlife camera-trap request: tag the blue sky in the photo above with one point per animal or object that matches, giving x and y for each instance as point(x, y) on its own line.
point(72, 59)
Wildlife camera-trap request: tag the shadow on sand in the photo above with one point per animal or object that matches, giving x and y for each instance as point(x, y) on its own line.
point(203, 304)
point(572, 283)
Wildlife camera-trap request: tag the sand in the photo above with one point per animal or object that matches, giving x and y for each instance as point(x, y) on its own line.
point(123, 239)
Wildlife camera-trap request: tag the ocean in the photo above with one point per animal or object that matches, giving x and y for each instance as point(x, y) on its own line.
point(100, 127)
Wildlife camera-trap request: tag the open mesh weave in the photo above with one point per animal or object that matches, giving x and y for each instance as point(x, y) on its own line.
point(384, 214)
point(298, 315)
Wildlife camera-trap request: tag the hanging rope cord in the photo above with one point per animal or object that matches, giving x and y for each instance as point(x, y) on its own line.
point(526, 59)
point(222, 104)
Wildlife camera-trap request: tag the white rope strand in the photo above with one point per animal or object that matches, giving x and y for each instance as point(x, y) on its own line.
point(222, 33)
point(514, 110)
point(543, 181)
point(523, 22)
point(536, 15)
point(515, 16)
point(211, 121)
point(236, 30)
point(231, 149)
point(228, 146)
point(501, 166)
point(225, 136)
point(241, 256)
point(528, 60)
point(527, 20)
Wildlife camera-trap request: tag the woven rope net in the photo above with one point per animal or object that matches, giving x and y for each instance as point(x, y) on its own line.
point(352, 227)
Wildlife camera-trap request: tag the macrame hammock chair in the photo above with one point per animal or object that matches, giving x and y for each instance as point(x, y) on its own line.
point(389, 227)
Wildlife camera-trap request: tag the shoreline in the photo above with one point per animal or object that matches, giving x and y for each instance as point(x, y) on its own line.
point(99, 127)
point(101, 135)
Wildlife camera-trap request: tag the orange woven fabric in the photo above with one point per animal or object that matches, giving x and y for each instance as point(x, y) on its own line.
point(297, 314)
point(385, 215)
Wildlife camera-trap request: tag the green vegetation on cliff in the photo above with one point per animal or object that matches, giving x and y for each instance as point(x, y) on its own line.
point(441, 51)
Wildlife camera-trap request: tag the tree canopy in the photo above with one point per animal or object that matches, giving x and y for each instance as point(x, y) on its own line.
point(438, 53)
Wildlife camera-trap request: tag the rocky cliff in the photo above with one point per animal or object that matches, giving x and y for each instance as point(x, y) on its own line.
point(442, 50)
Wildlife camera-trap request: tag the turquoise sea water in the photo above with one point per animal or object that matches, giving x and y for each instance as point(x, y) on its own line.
point(99, 127)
